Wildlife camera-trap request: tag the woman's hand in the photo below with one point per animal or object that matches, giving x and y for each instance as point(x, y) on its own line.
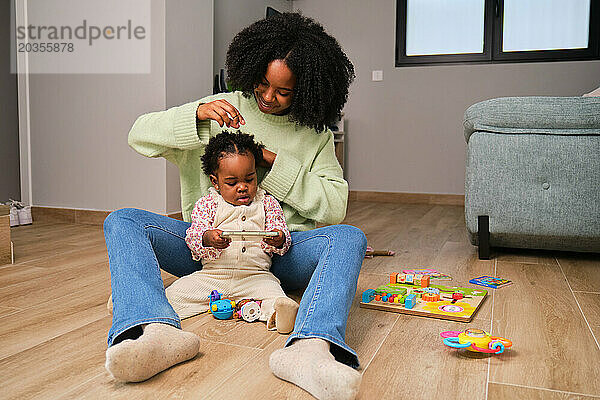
point(268, 159)
point(222, 112)
point(276, 241)
point(213, 238)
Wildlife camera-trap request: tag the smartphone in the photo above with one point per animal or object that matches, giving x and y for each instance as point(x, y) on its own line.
point(242, 235)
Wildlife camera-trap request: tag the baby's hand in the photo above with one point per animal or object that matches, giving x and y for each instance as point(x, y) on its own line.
point(213, 238)
point(276, 241)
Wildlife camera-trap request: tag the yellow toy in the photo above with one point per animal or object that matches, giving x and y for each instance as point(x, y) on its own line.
point(476, 340)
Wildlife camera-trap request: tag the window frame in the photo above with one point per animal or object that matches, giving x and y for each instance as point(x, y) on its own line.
point(492, 42)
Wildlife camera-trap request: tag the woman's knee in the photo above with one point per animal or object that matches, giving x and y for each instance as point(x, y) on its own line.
point(118, 217)
point(352, 234)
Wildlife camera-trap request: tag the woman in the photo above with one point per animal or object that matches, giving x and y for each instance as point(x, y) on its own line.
point(292, 80)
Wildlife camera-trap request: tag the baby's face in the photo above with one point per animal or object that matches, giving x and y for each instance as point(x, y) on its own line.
point(236, 179)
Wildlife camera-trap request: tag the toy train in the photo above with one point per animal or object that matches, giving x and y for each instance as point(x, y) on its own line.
point(221, 308)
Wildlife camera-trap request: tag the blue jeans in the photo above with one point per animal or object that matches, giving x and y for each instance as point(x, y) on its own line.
point(326, 261)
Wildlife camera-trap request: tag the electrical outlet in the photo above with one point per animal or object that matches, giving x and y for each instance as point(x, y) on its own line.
point(377, 76)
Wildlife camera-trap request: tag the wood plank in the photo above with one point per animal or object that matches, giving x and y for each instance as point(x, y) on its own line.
point(232, 331)
point(56, 366)
point(73, 258)
point(367, 329)
point(590, 305)
point(525, 256)
point(416, 240)
point(213, 369)
point(418, 339)
point(553, 347)
point(498, 391)
point(5, 247)
point(581, 270)
point(460, 261)
point(35, 291)
point(17, 273)
point(596, 332)
point(4, 311)
point(253, 380)
point(25, 329)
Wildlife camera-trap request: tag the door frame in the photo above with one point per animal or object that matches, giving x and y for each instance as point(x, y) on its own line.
point(22, 70)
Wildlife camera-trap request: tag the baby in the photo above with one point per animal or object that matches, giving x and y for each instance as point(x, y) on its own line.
point(238, 269)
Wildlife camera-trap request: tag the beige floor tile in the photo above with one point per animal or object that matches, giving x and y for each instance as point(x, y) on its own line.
point(590, 305)
point(581, 269)
point(367, 328)
point(35, 291)
point(505, 392)
point(212, 368)
point(553, 347)
point(253, 380)
point(525, 256)
point(25, 329)
point(57, 365)
point(414, 363)
point(4, 311)
point(18, 273)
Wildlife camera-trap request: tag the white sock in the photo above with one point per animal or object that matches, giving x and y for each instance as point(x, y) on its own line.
point(161, 346)
point(308, 364)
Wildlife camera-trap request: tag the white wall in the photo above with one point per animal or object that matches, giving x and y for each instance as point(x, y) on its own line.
point(405, 134)
point(79, 123)
point(189, 63)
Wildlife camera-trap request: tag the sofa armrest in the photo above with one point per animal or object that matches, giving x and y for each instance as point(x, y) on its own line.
point(537, 115)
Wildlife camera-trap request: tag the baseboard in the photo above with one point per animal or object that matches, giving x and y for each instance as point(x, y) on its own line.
point(410, 198)
point(75, 216)
point(68, 215)
point(176, 215)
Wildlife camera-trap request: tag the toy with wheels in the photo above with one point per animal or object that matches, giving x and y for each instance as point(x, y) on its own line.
point(476, 340)
point(248, 310)
point(219, 307)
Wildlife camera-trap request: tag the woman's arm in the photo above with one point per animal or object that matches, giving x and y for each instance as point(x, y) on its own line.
point(318, 192)
point(156, 133)
point(184, 127)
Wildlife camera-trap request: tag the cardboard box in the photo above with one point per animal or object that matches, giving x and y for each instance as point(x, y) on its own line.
point(5, 245)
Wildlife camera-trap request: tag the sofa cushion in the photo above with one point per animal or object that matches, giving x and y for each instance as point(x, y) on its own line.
point(540, 191)
point(537, 115)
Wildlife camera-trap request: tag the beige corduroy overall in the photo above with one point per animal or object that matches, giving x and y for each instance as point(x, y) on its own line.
point(241, 272)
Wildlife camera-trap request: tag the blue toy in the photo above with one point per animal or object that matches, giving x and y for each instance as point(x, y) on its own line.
point(410, 301)
point(220, 308)
point(368, 295)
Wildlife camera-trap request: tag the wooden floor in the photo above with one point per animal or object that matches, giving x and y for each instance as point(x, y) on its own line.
point(53, 322)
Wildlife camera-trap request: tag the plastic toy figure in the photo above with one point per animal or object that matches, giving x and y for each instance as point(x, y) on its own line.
point(476, 340)
point(220, 308)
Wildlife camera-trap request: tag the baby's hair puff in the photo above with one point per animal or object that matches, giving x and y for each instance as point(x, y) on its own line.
point(229, 143)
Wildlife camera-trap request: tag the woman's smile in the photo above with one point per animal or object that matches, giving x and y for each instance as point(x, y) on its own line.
point(263, 105)
point(274, 93)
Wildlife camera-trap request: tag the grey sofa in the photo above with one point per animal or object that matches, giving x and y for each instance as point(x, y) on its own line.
point(533, 173)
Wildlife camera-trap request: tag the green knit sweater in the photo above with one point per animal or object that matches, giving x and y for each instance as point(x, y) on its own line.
point(306, 177)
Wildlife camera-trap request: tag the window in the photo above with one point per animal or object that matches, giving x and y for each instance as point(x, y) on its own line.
point(458, 31)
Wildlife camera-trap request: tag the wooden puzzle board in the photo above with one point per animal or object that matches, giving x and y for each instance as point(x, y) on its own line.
point(455, 310)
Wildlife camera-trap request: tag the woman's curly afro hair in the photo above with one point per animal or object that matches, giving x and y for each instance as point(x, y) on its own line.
point(323, 71)
point(225, 144)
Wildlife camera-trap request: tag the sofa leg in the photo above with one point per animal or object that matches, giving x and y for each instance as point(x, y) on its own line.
point(483, 234)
